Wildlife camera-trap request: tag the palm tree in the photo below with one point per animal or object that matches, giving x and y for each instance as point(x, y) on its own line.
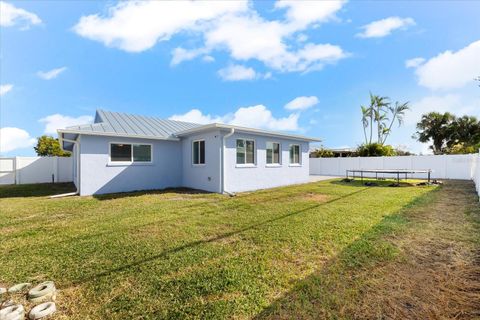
point(365, 121)
point(436, 127)
point(465, 130)
point(398, 112)
point(379, 105)
point(381, 112)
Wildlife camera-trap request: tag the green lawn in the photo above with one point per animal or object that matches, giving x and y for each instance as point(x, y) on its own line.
point(175, 254)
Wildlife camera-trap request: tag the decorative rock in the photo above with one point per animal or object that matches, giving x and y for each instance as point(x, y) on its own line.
point(42, 310)
point(19, 287)
point(42, 292)
point(15, 312)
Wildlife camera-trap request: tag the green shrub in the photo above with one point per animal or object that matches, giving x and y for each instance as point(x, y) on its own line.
point(321, 153)
point(375, 150)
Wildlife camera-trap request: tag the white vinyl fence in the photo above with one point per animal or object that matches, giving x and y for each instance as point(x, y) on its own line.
point(476, 174)
point(23, 170)
point(442, 166)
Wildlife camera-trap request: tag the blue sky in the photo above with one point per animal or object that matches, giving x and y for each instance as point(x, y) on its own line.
point(301, 66)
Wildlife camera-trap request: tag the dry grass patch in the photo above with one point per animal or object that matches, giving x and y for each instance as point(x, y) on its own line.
point(439, 274)
point(317, 197)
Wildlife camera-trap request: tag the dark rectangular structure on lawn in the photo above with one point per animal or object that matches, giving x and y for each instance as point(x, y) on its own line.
point(396, 172)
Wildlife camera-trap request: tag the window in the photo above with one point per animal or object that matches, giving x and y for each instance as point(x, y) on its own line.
point(245, 151)
point(120, 152)
point(294, 154)
point(124, 152)
point(142, 153)
point(273, 153)
point(199, 152)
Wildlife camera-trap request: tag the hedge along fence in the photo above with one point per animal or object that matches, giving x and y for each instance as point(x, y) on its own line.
point(463, 167)
point(24, 170)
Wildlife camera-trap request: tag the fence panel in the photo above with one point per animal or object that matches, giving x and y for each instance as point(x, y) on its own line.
point(442, 166)
point(7, 170)
point(24, 170)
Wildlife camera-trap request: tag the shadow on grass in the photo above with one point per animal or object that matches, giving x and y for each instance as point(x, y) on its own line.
point(383, 183)
point(35, 190)
point(220, 237)
point(334, 290)
point(111, 196)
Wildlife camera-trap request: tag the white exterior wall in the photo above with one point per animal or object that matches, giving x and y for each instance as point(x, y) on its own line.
point(260, 176)
point(442, 166)
point(98, 176)
point(208, 176)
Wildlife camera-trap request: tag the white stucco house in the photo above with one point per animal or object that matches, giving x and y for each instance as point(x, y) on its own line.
point(123, 152)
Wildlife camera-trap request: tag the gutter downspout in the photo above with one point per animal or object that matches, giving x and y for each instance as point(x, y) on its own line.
point(77, 154)
point(222, 165)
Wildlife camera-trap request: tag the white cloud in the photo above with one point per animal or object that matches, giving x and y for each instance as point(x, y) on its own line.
point(452, 103)
point(232, 26)
point(138, 25)
point(302, 13)
point(250, 37)
point(384, 27)
point(414, 63)
point(14, 138)
point(451, 69)
point(11, 15)
point(180, 55)
point(260, 117)
point(196, 116)
point(257, 116)
point(51, 74)
point(302, 103)
point(58, 121)
point(4, 88)
point(208, 58)
point(236, 73)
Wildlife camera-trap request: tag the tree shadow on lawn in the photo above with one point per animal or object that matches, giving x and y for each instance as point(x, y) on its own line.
point(378, 183)
point(192, 244)
point(335, 290)
point(35, 190)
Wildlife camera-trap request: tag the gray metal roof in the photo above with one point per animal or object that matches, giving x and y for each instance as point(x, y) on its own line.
point(109, 123)
point(123, 124)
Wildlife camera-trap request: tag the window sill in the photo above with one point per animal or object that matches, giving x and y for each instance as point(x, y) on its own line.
point(198, 165)
point(295, 165)
point(273, 165)
point(129, 164)
point(245, 166)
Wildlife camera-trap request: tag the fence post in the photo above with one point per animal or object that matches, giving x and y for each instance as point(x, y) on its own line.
point(55, 169)
point(17, 173)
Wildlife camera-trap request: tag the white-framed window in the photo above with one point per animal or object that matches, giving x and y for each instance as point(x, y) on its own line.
point(273, 152)
point(130, 152)
point(245, 151)
point(295, 154)
point(198, 152)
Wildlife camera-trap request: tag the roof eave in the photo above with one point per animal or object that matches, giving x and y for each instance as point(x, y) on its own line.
point(245, 129)
point(109, 134)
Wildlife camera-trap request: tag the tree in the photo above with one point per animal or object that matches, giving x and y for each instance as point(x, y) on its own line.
point(48, 146)
point(435, 127)
point(466, 131)
point(449, 134)
point(321, 153)
point(381, 112)
point(398, 112)
point(375, 150)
